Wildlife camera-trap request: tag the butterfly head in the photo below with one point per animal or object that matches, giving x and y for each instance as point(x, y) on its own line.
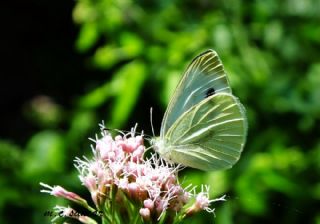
point(157, 144)
point(160, 146)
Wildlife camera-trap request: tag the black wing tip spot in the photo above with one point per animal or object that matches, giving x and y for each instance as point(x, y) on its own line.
point(204, 53)
point(210, 92)
point(207, 52)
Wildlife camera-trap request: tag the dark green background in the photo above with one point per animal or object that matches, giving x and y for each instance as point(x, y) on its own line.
point(67, 65)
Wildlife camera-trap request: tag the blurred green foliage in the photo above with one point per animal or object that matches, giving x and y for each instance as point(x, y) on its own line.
point(271, 52)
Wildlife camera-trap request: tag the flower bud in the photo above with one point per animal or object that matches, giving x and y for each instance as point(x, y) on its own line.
point(148, 203)
point(145, 213)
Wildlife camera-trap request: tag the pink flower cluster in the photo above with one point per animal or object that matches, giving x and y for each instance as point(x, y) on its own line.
point(118, 172)
point(119, 162)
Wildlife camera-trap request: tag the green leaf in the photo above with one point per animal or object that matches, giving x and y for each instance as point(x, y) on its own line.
point(127, 84)
point(44, 155)
point(87, 37)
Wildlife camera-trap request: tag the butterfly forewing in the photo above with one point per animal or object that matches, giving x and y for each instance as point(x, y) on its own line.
point(210, 135)
point(205, 76)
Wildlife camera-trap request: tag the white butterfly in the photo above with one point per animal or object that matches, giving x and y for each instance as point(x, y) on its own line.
point(204, 126)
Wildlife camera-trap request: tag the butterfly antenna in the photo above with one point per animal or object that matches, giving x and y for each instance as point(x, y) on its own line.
point(151, 122)
point(123, 133)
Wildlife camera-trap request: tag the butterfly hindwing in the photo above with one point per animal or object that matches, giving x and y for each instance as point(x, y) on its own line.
point(205, 76)
point(210, 135)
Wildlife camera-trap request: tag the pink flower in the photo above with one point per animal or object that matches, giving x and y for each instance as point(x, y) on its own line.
point(59, 191)
point(203, 202)
point(118, 173)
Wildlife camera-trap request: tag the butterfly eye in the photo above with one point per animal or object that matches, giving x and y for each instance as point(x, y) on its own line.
point(210, 92)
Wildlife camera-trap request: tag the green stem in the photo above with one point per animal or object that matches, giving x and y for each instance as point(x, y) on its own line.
point(136, 219)
point(106, 220)
point(113, 203)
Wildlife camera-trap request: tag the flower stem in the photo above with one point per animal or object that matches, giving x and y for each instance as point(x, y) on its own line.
point(136, 219)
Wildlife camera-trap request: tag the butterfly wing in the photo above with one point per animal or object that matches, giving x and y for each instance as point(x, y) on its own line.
point(204, 76)
point(210, 135)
